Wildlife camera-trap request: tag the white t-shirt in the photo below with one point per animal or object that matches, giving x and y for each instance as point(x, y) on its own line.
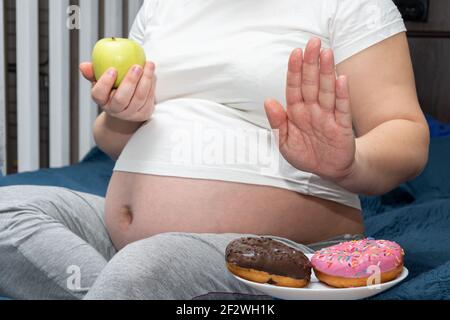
point(217, 61)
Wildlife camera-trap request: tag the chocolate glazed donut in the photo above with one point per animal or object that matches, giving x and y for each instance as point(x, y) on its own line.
point(265, 260)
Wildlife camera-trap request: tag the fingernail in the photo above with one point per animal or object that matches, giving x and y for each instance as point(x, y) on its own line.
point(112, 72)
point(152, 66)
point(316, 41)
point(137, 70)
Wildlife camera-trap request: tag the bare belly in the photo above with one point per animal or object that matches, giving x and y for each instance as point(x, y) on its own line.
point(140, 206)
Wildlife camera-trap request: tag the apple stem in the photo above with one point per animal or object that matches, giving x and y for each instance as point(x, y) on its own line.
point(113, 38)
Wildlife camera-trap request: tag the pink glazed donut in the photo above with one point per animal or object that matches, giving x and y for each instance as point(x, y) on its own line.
point(355, 263)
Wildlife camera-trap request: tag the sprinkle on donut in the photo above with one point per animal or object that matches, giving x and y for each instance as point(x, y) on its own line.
point(353, 259)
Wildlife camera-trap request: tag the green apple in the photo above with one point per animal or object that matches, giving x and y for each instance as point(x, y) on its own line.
point(118, 53)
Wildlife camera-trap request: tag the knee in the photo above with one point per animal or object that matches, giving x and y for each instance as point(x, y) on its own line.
point(18, 202)
point(154, 268)
point(30, 198)
point(159, 255)
point(22, 209)
point(36, 202)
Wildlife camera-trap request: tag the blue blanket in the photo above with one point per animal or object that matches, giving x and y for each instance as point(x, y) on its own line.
point(416, 215)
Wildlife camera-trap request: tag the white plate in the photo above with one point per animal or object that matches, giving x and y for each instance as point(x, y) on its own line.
point(320, 291)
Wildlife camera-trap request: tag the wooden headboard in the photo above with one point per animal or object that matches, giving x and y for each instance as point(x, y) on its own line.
point(430, 51)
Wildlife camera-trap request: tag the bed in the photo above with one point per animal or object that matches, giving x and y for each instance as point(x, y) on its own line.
point(416, 215)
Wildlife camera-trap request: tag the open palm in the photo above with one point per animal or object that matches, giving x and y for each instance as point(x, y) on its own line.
point(315, 131)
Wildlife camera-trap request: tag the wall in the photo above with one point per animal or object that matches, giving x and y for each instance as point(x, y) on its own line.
point(430, 51)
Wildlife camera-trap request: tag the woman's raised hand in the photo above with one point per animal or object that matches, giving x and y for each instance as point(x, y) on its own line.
point(315, 132)
point(133, 101)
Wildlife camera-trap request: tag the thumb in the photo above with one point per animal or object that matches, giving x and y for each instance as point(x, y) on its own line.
point(275, 113)
point(87, 70)
point(277, 118)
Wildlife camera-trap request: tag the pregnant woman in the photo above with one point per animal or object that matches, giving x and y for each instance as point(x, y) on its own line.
point(185, 130)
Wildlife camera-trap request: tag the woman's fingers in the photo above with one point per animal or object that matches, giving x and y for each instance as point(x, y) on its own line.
point(327, 92)
point(101, 91)
point(133, 100)
point(87, 70)
point(294, 78)
point(343, 112)
point(142, 92)
point(122, 98)
point(277, 119)
point(310, 76)
point(151, 100)
point(144, 88)
point(147, 110)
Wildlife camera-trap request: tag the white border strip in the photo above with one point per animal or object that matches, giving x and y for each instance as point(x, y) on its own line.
point(59, 44)
point(27, 28)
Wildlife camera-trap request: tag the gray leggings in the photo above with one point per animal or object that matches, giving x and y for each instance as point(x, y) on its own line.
point(54, 245)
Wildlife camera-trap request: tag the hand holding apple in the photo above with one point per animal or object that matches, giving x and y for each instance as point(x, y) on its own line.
point(120, 54)
point(133, 100)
